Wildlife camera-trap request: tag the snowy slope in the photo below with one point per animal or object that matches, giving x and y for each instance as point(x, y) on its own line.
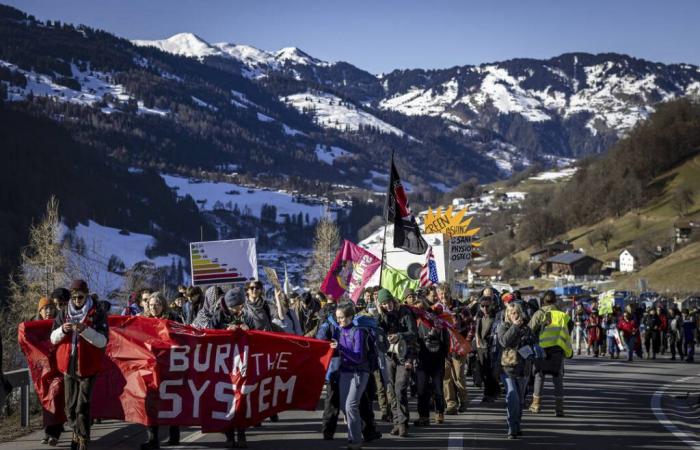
point(185, 44)
point(330, 111)
point(252, 198)
point(94, 86)
point(328, 154)
point(101, 243)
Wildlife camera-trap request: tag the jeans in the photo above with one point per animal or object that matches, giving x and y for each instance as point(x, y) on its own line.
point(612, 346)
point(515, 396)
point(630, 342)
point(352, 385)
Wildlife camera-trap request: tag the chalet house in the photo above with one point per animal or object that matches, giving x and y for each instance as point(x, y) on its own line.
point(570, 264)
point(481, 274)
point(629, 262)
point(550, 250)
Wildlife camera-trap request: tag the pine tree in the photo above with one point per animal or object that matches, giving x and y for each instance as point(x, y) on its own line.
point(326, 243)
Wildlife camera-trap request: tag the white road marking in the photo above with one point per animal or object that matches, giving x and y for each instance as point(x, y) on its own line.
point(656, 408)
point(189, 438)
point(454, 441)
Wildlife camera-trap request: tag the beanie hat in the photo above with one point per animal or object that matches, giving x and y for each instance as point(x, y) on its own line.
point(79, 285)
point(233, 298)
point(43, 302)
point(507, 298)
point(384, 296)
point(61, 294)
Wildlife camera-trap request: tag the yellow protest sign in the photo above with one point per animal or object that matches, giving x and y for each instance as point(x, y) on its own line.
point(453, 225)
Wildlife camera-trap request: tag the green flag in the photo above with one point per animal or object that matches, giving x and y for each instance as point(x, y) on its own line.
point(397, 282)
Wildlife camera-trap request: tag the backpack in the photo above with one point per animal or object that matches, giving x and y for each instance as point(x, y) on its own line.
point(376, 343)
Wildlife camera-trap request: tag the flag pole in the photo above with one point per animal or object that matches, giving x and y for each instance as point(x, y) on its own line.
point(386, 221)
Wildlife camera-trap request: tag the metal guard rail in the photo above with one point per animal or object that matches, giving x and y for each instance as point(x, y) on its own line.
point(20, 379)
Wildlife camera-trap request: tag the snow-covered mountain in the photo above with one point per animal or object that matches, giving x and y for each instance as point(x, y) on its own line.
point(256, 63)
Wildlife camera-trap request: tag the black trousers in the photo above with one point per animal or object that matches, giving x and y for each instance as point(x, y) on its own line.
point(400, 378)
point(488, 373)
point(331, 408)
point(430, 378)
point(78, 392)
point(652, 338)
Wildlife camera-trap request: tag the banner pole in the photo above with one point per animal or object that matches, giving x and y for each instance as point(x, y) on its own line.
point(386, 221)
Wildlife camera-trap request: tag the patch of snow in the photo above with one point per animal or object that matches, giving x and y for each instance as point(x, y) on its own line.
point(203, 104)
point(289, 131)
point(328, 154)
point(253, 198)
point(264, 118)
point(555, 175)
point(330, 111)
point(442, 187)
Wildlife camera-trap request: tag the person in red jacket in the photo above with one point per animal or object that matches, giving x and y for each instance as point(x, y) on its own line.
point(594, 327)
point(80, 334)
point(630, 333)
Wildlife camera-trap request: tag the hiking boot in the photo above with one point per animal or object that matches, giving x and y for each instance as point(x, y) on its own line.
point(451, 411)
point(230, 440)
point(535, 405)
point(462, 407)
point(439, 418)
point(394, 431)
point(242, 442)
point(422, 422)
point(403, 430)
point(559, 406)
point(53, 441)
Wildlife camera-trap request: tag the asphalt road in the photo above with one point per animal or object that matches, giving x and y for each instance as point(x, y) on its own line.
point(609, 405)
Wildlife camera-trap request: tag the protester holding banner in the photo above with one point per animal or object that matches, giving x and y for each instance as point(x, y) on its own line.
point(80, 334)
point(46, 310)
point(401, 331)
point(202, 319)
point(286, 318)
point(594, 328)
point(196, 300)
point(257, 310)
point(612, 336)
point(229, 315)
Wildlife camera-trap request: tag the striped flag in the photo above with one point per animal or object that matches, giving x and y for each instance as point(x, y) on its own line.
point(428, 274)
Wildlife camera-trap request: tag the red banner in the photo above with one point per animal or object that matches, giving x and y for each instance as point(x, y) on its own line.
point(158, 372)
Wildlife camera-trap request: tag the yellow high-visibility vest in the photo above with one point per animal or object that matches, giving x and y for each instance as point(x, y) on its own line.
point(556, 334)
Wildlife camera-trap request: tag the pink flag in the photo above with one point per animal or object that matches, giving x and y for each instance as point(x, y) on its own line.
point(351, 270)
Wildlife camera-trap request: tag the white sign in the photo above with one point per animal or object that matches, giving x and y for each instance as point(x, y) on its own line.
point(460, 253)
point(223, 262)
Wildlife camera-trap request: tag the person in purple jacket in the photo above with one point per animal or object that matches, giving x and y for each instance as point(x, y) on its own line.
point(354, 370)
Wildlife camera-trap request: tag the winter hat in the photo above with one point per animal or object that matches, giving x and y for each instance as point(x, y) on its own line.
point(233, 298)
point(43, 302)
point(80, 286)
point(507, 298)
point(61, 294)
point(384, 296)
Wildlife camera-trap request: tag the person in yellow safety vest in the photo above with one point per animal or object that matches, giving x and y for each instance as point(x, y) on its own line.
point(553, 327)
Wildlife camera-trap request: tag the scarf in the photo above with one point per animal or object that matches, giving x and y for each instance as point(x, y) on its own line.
point(259, 313)
point(77, 316)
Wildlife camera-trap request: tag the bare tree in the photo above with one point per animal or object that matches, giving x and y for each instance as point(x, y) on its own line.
point(42, 269)
point(682, 200)
point(605, 235)
point(326, 243)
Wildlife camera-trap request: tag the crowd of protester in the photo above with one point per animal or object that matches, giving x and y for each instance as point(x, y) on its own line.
point(386, 349)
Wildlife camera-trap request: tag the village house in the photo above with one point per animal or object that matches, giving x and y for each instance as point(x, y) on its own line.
point(480, 275)
point(570, 264)
point(549, 250)
point(683, 229)
point(629, 262)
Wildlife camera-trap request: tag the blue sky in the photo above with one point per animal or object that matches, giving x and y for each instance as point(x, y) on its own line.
point(383, 35)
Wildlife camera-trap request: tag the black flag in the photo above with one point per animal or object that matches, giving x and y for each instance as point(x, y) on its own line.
point(406, 232)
